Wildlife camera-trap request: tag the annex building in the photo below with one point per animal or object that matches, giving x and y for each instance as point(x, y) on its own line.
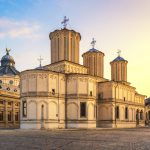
point(9, 93)
point(66, 94)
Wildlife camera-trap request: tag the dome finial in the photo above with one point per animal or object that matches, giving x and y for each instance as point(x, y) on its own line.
point(7, 51)
point(93, 43)
point(119, 52)
point(64, 22)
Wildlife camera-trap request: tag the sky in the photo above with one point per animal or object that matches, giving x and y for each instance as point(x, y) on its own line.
point(115, 24)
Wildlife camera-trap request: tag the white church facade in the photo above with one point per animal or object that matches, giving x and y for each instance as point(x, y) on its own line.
point(65, 94)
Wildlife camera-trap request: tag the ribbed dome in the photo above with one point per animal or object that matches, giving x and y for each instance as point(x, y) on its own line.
point(7, 60)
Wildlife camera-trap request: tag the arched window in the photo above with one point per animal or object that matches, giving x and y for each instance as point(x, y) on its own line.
point(117, 112)
point(126, 113)
point(42, 112)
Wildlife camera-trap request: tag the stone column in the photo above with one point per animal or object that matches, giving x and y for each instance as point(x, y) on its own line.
point(13, 112)
point(5, 115)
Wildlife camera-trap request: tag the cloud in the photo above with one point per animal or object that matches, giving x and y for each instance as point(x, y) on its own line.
point(18, 29)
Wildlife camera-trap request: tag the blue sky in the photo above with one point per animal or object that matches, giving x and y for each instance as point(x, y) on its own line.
point(115, 24)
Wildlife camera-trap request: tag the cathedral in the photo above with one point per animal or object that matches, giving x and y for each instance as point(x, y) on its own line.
point(66, 94)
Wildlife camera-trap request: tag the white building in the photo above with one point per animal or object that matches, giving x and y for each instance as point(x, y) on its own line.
point(65, 94)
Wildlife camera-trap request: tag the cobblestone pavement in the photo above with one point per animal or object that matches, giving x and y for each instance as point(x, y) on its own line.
point(98, 139)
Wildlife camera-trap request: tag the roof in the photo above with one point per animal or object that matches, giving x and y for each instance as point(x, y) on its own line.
point(119, 59)
point(93, 50)
point(147, 101)
point(64, 29)
point(8, 70)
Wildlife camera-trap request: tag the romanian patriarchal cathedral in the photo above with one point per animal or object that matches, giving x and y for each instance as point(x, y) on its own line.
point(66, 94)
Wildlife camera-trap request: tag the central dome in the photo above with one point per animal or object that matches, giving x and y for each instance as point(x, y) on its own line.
point(8, 65)
point(7, 60)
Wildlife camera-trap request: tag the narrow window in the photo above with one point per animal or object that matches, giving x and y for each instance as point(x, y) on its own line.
point(100, 96)
point(58, 48)
point(65, 49)
point(24, 107)
point(9, 116)
point(1, 115)
point(82, 109)
point(124, 98)
point(1, 102)
point(149, 115)
point(17, 116)
point(42, 112)
point(126, 113)
point(53, 91)
point(141, 115)
point(9, 103)
point(117, 112)
point(91, 93)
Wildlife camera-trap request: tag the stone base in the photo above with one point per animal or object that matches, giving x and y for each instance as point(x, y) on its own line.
point(9, 125)
point(56, 124)
point(81, 124)
point(119, 124)
point(41, 125)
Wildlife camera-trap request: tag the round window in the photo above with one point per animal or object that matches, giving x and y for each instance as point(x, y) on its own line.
point(15, 90)
point(10, 82)
point(8, 89)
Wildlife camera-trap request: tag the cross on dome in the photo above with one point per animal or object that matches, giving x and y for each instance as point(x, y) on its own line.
point(40, 60)
point(64, 22)
point(119, 52)
point(93, 43)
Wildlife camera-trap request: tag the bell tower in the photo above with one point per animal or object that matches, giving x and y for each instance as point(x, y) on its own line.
point(65, 44)
point(93, 59)
point(119, 69)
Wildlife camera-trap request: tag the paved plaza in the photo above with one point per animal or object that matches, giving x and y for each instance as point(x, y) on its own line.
point(98, 139)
